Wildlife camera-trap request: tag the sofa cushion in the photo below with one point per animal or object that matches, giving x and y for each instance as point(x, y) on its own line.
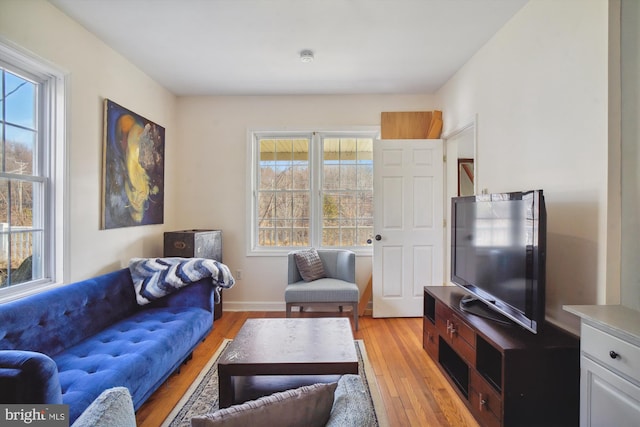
point(305, 406)
point(309, 264)
point(139, 353)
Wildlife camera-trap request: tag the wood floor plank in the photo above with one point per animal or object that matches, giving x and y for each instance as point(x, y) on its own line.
point(414, 391)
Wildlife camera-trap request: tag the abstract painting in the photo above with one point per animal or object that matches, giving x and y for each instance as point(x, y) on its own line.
point(132, 170)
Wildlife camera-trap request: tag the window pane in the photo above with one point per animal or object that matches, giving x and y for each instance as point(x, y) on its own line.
point(284, 169)
point(284, 151)
point(19, 148)
point(21, 204)
point(300, 206)
point(348, 176)
point(347, 203)
point(284, 175)
point(301, 236)
point(267, 150)
point(284, 204)
point(331, 176)
point(348, 237)
point(364, 233)
point(266, 204)
point(283, 235)
point(365, 204)
point(21, 257)
point(266, 237)
point(300, 176)
point(18, 238)
point(4, 201)
point(267, 176)
point(365, 149)
point(365, 176)
point(19, 95)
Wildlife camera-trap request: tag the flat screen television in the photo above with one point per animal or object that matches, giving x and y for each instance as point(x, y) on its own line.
point(498, 253)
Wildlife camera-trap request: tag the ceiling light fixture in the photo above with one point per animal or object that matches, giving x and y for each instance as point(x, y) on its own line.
point(306, 56)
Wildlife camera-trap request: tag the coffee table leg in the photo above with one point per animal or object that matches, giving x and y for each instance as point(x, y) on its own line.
point(225, 388)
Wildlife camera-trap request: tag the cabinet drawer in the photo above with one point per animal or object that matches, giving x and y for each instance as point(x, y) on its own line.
point(448, 319)
point(456, 333)
point(485, 402)
point(599, 345)
point(430, 339)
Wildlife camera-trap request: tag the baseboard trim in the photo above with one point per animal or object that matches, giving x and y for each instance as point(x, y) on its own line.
point(277, 306)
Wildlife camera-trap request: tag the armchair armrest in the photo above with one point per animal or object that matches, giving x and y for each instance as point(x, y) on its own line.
point(28, 377)
point(346, 266)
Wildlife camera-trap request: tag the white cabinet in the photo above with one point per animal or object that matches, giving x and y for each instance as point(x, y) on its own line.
point(607, 399)
point(609, 365)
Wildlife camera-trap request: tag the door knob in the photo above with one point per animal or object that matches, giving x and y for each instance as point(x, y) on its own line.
point(369, 241)
point(378, 237)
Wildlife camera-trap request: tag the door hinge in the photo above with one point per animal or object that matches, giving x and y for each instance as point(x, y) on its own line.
point(444, 158)
point(444, 223)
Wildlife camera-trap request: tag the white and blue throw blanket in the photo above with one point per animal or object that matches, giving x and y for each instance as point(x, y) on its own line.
point(155, 278)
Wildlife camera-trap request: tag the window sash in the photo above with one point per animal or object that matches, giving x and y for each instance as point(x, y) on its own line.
point(283, 231)
point(48, 166)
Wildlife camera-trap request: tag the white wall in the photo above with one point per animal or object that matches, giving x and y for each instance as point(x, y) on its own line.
point(539, 88)
point(212, 177)
point(95, 72)
point(630, 44)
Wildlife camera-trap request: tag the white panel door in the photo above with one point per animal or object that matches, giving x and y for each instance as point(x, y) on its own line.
point(408, 224)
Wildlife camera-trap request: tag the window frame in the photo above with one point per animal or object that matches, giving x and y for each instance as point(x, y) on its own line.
point(316, 184)
point(51, 145)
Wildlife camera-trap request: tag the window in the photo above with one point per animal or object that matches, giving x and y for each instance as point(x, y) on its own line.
point(31, 139)
point(311, 189)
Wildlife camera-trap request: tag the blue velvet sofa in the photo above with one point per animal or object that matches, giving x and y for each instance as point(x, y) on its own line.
point(69, 344)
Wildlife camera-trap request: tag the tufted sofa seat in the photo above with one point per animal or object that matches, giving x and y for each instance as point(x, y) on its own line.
point(69, 344)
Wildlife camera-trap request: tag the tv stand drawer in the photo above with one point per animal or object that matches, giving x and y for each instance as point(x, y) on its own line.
point(456, 332)
point(485, 402)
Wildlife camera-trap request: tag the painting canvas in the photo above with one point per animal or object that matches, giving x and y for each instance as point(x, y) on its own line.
point(133, 169)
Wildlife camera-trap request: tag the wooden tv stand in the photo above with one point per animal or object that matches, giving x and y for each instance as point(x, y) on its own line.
point(506, 375)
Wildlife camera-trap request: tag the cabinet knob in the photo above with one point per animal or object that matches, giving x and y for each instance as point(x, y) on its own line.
point(483, 401)
point(614, 355)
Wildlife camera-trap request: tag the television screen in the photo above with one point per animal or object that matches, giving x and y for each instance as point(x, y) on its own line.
point(498, 250)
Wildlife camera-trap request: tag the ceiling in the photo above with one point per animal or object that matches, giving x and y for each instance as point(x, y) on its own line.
point(252, 47)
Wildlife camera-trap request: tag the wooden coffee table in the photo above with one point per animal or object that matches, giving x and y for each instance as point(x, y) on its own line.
point(282, 352)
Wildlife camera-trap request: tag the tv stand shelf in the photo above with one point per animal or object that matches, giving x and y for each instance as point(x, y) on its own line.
point(506, 376)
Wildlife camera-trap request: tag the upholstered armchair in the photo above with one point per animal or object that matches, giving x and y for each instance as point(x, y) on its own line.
point(322, 277)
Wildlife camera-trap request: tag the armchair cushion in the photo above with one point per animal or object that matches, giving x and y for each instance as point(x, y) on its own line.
point(309, 265)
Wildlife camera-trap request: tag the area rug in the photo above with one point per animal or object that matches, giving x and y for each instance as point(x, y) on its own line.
point(202, 395)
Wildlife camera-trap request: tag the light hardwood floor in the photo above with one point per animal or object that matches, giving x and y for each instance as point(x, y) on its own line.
point(414, 391)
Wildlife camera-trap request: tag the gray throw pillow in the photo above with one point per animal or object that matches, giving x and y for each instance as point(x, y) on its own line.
point(304, 406)
point(114, 407)
point(309, 265)
point(352, 404)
